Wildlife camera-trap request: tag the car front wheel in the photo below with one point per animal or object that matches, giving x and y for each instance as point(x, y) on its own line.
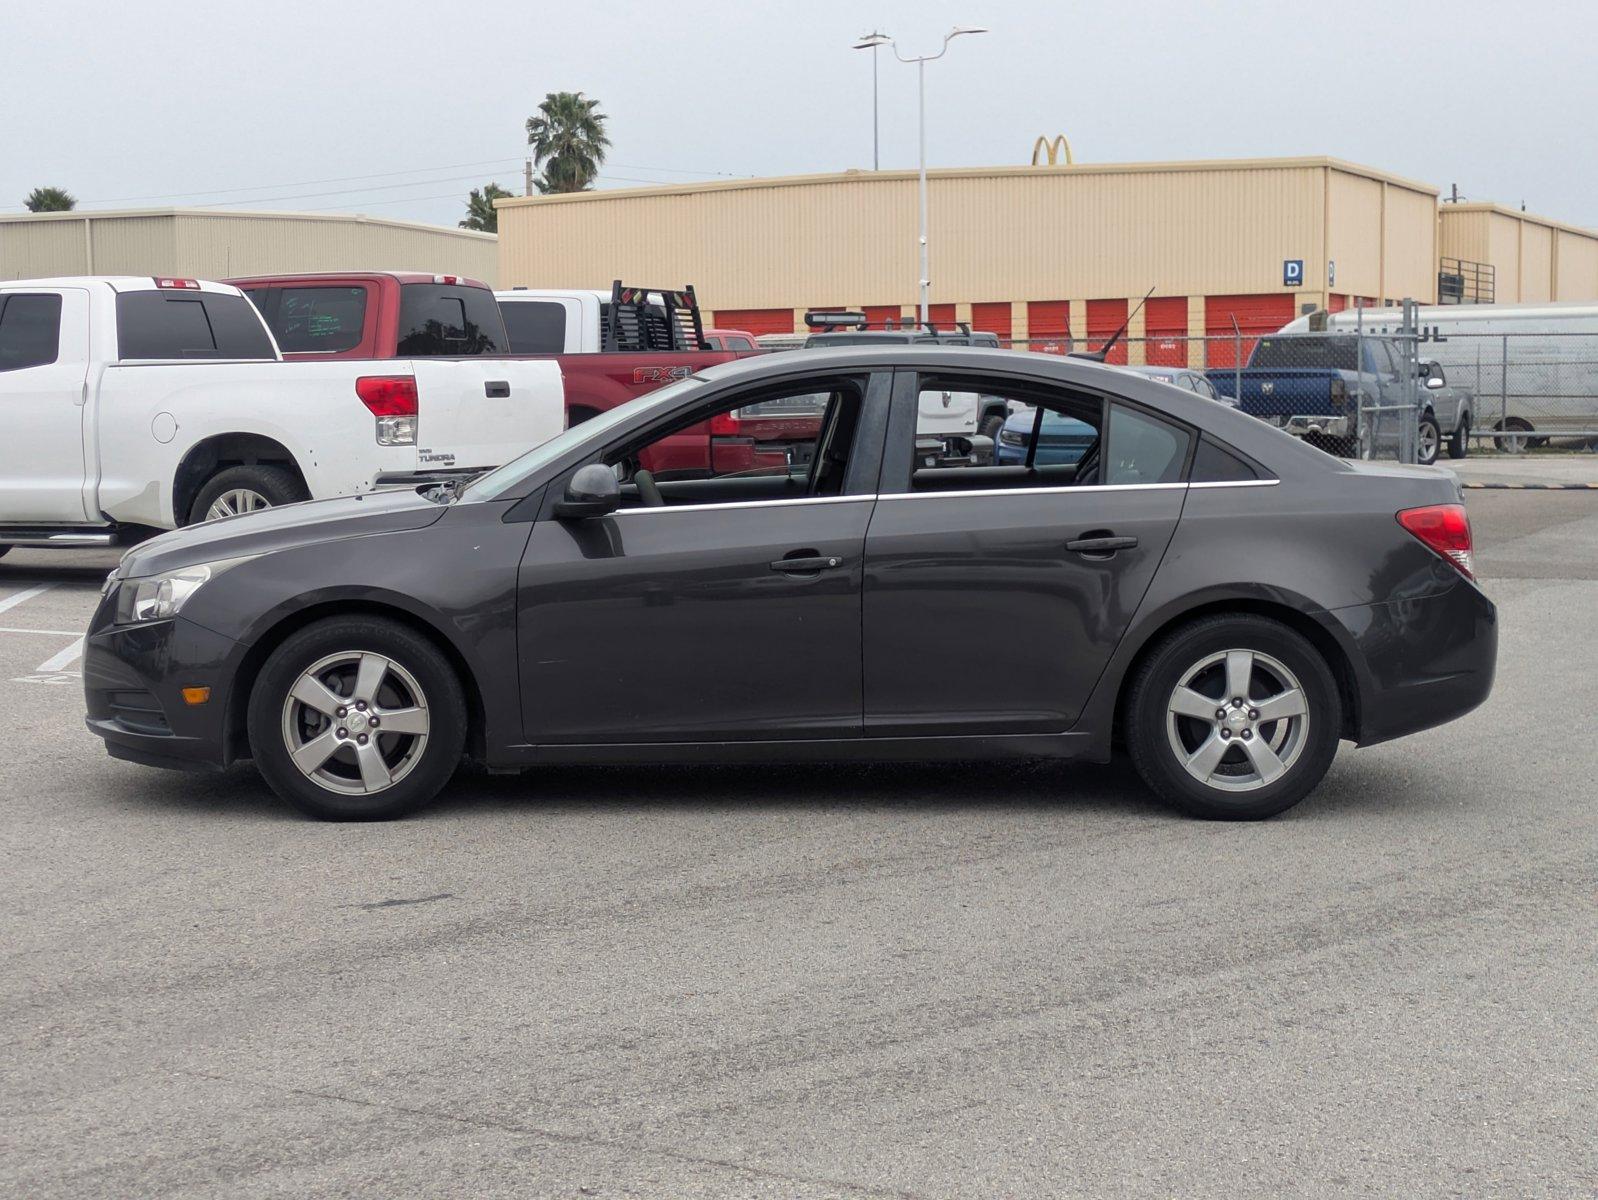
point(357, 718)
point(1428, 439)
point(1233, 718)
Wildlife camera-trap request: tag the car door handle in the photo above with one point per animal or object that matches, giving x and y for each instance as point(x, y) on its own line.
point(1100, 545)
point(807, 563)
point(496, 389)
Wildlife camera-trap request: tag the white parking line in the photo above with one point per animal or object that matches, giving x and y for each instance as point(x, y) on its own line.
point(23, 596)
point(45, 632)
point(60, 662)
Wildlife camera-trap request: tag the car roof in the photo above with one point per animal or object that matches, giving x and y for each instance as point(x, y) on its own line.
point(117, 283)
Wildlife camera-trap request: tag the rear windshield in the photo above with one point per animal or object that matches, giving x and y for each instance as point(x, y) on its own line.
point(167, 324)
point(535, 326)
point(444, 320)
point(1313, 354)
point(322, 320)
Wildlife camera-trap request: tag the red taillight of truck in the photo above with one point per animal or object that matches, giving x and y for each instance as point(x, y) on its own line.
point(393, 402)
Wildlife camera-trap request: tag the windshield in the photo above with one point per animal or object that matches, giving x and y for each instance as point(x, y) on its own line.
point(503, 480)
point(1307, 353)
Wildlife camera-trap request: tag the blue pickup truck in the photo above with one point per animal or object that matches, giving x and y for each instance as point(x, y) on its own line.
point(1313, 385)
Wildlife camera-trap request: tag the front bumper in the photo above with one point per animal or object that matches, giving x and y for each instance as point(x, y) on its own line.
point(1423, 662)
point(133, 681)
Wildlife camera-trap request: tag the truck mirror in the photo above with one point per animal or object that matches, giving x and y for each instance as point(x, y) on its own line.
point(592, 492)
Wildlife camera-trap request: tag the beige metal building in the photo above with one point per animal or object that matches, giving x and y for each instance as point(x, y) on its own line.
point(211, 244)
point(1044, 252)
point(1532, 259)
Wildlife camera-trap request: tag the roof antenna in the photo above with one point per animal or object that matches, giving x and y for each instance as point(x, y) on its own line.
point(1103, 351)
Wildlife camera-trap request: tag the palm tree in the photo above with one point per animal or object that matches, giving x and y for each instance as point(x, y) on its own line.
point(48, 199)
point(568, 140)
point(480, 212)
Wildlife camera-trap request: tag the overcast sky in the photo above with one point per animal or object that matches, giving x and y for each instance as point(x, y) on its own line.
point(398, 108)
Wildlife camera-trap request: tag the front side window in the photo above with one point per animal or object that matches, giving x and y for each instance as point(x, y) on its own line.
point(449, 321)
point(320, 320)
point(1143, 448)
point(30, 330)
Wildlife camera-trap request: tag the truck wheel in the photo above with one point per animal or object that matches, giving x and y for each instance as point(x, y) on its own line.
point(1459, 440)
point(1513, 445)
point(246, 489)
point(1428, 439)
point(1233, 717)
point(357, 718)
point(990, 427)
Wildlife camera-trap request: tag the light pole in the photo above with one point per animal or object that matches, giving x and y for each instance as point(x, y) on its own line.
point(879, 39)
point(870, 41)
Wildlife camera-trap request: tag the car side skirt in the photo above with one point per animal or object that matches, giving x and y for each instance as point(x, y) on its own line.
point(880, 749)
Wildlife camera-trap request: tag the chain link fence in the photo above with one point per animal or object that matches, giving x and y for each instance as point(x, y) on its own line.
point(1410, 396)
point(1353, 395)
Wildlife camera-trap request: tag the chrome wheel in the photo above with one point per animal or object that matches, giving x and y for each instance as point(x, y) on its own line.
point(355, 723)
point(1427, 440)
point(238, 500)
point(1237, 720)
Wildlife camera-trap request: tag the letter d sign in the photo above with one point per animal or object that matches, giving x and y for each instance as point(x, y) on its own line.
point(1292, 272)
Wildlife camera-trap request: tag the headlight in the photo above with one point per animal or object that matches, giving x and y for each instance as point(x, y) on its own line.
point(161, 597)
point(1013, 437)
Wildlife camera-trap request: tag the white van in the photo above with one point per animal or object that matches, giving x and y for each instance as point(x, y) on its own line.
point(1532, 367)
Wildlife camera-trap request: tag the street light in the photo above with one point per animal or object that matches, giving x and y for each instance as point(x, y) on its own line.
point(871, 42)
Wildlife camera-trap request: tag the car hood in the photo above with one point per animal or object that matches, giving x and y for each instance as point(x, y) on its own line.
point(280, 529)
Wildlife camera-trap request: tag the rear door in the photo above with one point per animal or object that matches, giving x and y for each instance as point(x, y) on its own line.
point(44, 364)
point(994, 596)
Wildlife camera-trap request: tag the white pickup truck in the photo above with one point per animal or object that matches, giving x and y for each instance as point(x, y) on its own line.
point(137, 404)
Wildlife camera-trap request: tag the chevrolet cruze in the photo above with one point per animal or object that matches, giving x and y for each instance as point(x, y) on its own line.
point(1204, 593)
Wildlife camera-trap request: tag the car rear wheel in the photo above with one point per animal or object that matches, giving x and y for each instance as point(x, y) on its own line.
point(357, 719)
point(991, 426)
point(243, 489)
point(1459, 440)
point(1233, 718)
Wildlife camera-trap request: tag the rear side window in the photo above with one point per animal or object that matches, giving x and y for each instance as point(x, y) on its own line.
point(30, 331)
point(320, 320)
point(442, 320)
point(1214, 465)
point(160, 324)
point(1144, 449)
point(535, 326)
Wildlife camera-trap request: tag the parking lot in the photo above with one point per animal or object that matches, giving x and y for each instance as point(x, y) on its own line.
point(896, 981)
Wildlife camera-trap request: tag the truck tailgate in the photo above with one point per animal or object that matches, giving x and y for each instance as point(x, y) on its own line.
point(481, 412)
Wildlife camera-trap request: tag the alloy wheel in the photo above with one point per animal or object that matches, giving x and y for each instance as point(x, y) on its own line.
point(235, 501)
point(1237, 720)
point(355, 723)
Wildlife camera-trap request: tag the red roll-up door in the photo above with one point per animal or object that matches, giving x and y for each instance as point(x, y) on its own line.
point(941, 317)
point(753, 320)
point(1336, 302)
point(1104, 318)
point(1165, 328)
point(1254, 315)
point(878, 315)
point(992, 318)
point(1048, 326)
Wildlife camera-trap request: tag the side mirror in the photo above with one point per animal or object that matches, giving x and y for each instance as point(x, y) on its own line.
point(592, 492)
point(1435, 383)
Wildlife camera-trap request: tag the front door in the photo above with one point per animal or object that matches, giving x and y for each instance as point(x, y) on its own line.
point(716, 605)
point(995, 595)
point(44, 361)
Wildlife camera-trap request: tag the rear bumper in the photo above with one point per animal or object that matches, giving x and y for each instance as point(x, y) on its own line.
point(133, 679)
point(1308, 424)
point(1423, 662)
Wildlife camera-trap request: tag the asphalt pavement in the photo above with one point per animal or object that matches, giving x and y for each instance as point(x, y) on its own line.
point(816, 982)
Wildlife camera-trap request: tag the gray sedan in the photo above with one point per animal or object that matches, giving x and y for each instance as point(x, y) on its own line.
point(1221, 600)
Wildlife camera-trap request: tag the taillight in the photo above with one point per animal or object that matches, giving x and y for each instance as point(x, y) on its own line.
point(1339, 393)
point(392, 400)
point(724, 425)
point(1445, 529)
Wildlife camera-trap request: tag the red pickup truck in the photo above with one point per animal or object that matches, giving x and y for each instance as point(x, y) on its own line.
point(610, 347)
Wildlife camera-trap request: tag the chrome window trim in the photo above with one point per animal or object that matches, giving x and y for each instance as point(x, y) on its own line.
point(1236, 483)
point(787, 501)
point(1064, 489)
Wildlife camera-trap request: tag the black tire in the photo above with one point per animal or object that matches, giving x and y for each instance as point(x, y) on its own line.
point(422, 768)
point(1243, 795)
point(990, 426)
point(275, 485)
point(1428, 440)
point(1459, 440)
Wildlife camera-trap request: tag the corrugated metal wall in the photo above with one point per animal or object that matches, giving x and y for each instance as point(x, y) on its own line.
point(1534, 259)
point(998, 235)
point(216, 245)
